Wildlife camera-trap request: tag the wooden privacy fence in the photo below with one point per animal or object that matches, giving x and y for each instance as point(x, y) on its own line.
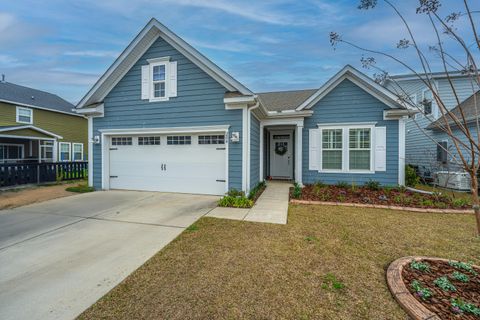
point(13, 174)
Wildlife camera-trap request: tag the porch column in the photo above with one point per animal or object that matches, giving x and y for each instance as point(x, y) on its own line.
point(262, 177)
point(55, 150)
point(298, 153)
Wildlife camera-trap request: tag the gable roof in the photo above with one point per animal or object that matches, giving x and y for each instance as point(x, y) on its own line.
point(470, 108)
point(361, 80)
point(7, 129)
point(284, 100)
point(29, 97)
point(139, 46)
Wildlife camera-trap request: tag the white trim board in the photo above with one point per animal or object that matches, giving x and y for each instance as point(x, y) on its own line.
point(401, 151)
point(33, 128)
point(164, 130)
point(358, 78)
point(147, 36)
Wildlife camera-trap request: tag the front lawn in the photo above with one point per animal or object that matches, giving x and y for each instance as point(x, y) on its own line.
point(326, 263)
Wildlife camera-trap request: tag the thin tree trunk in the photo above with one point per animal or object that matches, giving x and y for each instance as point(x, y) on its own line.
point(476, 201)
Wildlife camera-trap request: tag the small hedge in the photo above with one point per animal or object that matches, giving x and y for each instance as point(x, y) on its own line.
point(237, 199)
point(81, 188)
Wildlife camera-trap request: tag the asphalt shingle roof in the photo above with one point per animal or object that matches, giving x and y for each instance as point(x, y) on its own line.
point(29, 96)
point(470, 110)
point(284, 100)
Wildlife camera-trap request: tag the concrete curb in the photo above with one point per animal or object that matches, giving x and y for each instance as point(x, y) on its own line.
point(400, 292)
point(376, 206)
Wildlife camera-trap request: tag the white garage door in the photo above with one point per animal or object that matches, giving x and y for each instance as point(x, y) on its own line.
point(187, 163)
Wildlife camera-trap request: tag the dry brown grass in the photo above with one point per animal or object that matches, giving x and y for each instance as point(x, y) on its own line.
point(240, 270)
point(20, 197)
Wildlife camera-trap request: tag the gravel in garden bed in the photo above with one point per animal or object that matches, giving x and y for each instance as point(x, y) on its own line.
point(383, 196)
point(440, 301)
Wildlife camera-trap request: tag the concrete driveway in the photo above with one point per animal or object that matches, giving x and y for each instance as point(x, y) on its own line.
point(60, 256)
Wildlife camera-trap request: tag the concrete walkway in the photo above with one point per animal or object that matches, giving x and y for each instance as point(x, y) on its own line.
point(271, 207)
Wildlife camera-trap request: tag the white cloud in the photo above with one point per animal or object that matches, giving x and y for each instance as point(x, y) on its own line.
point(9, 61)
point(93, 53)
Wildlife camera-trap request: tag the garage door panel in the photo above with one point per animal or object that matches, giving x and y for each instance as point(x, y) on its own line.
point(170, 168)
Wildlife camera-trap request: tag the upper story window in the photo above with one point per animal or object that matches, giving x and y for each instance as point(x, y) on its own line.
point(427, 102)
point(24, 115)
point(159, 84)
point(159, 79)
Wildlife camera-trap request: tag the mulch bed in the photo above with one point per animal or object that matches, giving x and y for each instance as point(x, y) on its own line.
point(383, 196)
point(440, 302)
point(259, 193)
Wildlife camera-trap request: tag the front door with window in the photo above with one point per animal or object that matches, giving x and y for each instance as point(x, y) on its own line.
point(281, 155)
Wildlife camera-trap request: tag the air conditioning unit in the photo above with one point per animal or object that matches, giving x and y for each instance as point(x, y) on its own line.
point(453, 180)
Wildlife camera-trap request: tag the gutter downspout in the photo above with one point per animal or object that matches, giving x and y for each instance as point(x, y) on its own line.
point(249, 132)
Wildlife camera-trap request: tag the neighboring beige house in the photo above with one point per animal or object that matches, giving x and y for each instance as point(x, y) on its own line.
point(37, 126)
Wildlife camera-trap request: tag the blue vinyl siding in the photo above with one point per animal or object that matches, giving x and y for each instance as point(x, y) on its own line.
point(420, 148)
point(254, 151)
point(199, 103)
point(348, 103)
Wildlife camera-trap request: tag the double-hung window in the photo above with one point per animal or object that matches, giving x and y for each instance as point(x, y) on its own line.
point(427, 102)
point(64, 151)
point(332, 142)
point(348, 148)
point(359, 152)
point(24, 115)
point(77, 151)
point(46, 151)
point(159, 80)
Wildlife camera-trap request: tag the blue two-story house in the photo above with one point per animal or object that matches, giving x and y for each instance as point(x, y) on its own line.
point(427, 146)
point(163, 117)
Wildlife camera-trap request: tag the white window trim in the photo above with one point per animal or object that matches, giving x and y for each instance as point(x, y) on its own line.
point(60, 151)
point(163, 62)
point(434, 112)
point(18, 116)
point(346, 147)
point(73, 151)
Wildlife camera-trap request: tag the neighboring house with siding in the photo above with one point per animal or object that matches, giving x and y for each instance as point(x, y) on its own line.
point(165, 118)
point(37, 126)
point(424, 139)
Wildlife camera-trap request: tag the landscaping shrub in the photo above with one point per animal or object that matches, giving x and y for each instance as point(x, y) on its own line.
point(235, 193)
point(297, 191)
point(235, 202)
point(343, 184)
point(372, 185)
point(254, 193)
point(411, 177)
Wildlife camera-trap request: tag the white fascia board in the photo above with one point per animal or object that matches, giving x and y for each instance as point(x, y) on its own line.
point(33, 128)
point(289, 114)
point(240, 99)
point(295, 121)
point(183, 47)
point(398, 113)
point(358, 78)
point(96, 111)
point(165, 130)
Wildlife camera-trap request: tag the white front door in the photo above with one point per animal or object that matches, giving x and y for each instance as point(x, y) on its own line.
point(186, 163)
point(281, 154)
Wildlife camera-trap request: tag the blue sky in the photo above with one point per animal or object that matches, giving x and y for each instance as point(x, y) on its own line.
point(64, 46)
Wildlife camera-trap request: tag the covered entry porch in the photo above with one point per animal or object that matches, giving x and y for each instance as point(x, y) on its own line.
point(27, 144)
point(281, 149)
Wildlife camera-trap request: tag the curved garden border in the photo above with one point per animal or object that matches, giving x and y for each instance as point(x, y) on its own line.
point(376, 206)
point(401, 293)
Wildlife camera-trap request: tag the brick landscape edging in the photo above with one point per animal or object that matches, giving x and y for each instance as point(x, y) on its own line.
point(378, 206)
point(400, 292)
